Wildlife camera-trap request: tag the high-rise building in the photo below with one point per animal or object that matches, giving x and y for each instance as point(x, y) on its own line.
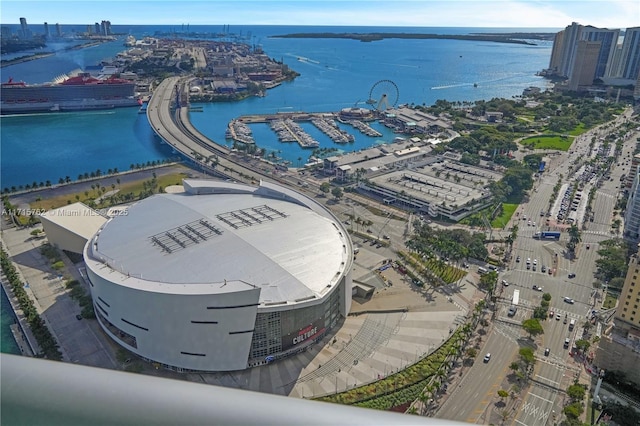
point(614, 59)
point(25, 32)
point(585, 63)
point(97, 29)
point(630, 54)
point(46, 30)
point(632, 213)
point(608, 39)
point(105, 28)
point(58, 31)
point(567, 50)
point(556, 53)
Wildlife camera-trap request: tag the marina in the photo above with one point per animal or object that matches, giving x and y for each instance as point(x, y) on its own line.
point(331, 129)
point(364, 128)
point(239, 132)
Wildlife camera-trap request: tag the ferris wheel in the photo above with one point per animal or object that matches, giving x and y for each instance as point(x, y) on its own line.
point(383, 95)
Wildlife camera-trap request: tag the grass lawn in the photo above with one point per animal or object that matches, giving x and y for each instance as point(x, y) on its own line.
point(548, 142)
point(135, 187)
point(578, 130)
point(502, 220)
point(609, 301)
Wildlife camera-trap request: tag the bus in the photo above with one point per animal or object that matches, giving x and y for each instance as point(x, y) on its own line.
point(514, 303)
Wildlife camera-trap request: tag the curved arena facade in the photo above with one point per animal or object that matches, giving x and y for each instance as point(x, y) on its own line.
point(220, 277)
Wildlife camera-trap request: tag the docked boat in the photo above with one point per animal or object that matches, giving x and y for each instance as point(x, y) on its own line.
point(82, 92)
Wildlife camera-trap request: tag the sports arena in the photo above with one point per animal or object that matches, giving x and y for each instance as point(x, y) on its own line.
point(220, 277)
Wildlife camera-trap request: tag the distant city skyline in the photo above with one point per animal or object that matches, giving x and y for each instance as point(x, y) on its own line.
point(417, 13)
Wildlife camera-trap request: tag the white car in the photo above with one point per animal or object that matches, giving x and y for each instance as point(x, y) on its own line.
point(487, 357)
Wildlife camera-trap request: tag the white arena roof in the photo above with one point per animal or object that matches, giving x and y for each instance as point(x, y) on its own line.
point(218, 232)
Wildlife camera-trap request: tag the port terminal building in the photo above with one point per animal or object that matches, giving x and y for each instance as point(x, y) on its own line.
point(221, 276)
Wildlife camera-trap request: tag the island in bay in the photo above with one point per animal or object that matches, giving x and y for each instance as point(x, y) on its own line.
point(517, 38)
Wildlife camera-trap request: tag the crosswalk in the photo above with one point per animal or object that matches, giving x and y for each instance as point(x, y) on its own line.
point(601, 233)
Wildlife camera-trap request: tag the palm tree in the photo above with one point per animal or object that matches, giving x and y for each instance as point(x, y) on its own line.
point(424, 398)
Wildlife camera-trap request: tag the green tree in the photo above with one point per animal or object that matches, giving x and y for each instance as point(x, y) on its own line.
point(325, 187)
point(527, 356)
point(503, 394)
point(583, 345)
point(576, 392)
point(337, 192)
point(533, 327)
point(488, 281)
point(573, 411)
point(540, 312)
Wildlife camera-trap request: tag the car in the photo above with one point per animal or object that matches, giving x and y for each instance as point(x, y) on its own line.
point(572, 275)
point(518, 259)
point(534, 267)
point(565, 320)
point(535, 261)
point(543, 269)
point(551, 313)
point(505, 283)
point(512, 311)
point(487, 357)
point(557, 317)
point(569, 300)
point(528, 266)
point(528, 260)
point(386, 237)
point(550, 271)
point(378, 245)
point(547, 351)
point(537, 288)
point(79, 317)
point(588, 246)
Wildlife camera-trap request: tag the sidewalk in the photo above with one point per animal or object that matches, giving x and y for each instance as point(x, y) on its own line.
point(78, 342)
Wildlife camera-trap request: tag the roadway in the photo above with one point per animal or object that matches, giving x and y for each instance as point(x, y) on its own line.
point(542, 402)
point(554, 373)
point(471, 399)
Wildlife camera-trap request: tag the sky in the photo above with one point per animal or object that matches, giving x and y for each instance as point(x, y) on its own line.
point(415, 13)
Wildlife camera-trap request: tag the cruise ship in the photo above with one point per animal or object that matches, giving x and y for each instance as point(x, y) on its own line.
point(78, 93)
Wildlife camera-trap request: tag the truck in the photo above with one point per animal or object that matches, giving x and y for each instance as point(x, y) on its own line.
point(514, 303)
point(547, 235)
